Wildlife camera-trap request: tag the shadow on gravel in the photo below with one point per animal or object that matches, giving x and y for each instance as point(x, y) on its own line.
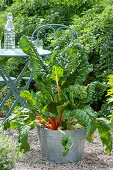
point(92, 158)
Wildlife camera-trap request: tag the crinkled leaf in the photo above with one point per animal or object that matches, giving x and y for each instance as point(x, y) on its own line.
point(73, 93)
point(87, 118)
point(104, 123)
point(95, 91)
point(21, 120)
point(23, 138)
point(6, 123)
point(25, 95)
point(28, 47)
point(67, 143)
point(104, 129)
point(80, 66)
point(46, 91)
point(67, 114)
point(82, 73)
point(60, 107)
point(33, 100)
point(36, 64)
point(58, 71)
point(106, 139)
point(17, 123)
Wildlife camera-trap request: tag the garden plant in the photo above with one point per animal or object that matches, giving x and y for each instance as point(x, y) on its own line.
point(9, 152)
point(62, 101)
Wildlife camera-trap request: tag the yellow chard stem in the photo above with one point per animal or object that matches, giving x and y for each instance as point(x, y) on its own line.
point(57, 84)
point(60, 130)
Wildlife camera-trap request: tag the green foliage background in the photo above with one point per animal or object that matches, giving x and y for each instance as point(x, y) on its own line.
point(95, 30)
point(29, 14)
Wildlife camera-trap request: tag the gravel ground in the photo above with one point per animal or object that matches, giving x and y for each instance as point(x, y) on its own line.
point(94, 157)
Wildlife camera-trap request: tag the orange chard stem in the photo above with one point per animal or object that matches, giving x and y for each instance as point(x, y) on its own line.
point(44, 120)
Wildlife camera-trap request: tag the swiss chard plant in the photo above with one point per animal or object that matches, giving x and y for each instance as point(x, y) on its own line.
point(62, 101)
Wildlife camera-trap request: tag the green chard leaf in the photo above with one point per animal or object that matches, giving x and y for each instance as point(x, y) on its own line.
point(45, 91)
point(104, 129)
point(17, 123)
point(59, 71)
point(82, 73)
point(87, 118)
point(79, 74)
point(95, 91)
point(36, 64)
point(28, 47)
point(6, 124)
point(74, 92)
point(33, 100)
point(23, 138)
point(67, 143)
